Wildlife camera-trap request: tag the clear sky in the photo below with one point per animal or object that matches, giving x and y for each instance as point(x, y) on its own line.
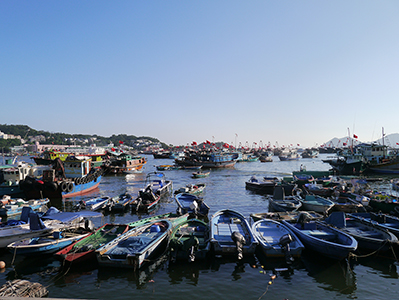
point(291, 72)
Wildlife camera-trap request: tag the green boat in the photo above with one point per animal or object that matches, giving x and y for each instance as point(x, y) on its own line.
point(84, 249)
point(189, 241)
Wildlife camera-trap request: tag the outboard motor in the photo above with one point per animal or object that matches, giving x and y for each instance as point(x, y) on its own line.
point(285, 241)
point(240, 242)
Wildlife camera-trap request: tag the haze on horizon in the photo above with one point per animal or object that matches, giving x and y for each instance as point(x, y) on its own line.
point(291, 72)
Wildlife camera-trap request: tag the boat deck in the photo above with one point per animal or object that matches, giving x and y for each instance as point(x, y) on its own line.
point(225, 227)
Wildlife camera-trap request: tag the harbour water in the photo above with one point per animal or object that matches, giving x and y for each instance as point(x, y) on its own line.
point(310, 277)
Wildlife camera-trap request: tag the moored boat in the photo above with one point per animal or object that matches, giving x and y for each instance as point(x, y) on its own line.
point(370, 238)
point(193, 189)
point(200, 174)
point(231, 234)
point(189, 241)
point(192, 204)
point(276, 239)
point(133, 248)
point(317, 204)
point(323, 239)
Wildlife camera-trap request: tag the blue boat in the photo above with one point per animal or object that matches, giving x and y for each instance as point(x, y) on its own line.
point(370, 237)
point(97, 203)
point(15, 206)
point(133, 248)
point(381, 220)
point(47, 244)
point(276, 239)
point(323, 239)
point(231, 234)
point(188, 203)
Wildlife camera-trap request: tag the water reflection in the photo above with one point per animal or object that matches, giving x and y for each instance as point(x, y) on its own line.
point(182, 272)
point(333, 275)
point(384, 267)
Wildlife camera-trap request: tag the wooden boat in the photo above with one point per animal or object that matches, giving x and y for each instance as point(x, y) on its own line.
point(191, 204)
point(47, 244)
point(276, 239)
point(287, 215)
point(84, 249)
point(189, 241)
point(324, 239)
point(384, 221)
point(280, 202)
point(119, 203)
point(133, 248)
point(231, 234)
point(193, 189)
point(145, 201)
point(317, 204)
point(98, 203)
point(200, 174)
point(370, 238)
point(15, 206)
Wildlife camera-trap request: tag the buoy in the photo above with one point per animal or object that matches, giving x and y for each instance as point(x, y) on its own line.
point(2, 264)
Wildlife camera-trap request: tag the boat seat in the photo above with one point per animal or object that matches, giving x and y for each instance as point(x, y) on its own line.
point(320, 234)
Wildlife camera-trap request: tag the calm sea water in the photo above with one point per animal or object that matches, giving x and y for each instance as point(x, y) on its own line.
point(310, 277)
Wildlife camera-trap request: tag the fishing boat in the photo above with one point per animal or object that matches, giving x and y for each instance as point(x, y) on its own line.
point(289, 154)
point(121, 163)
point(384, 202)
point(189, 241)
point(370, 238)
point(280, 202)
point(317, 204)
point(276, 239)
point(167, 167)
point(119, 203)
point(97, 203)
point(191, 204)
point(207, 159)
point(15, 206)
point(159, 186)
point(287, 215)
point(84, 249)
point(267, 184)
point(35, 226)
point(70, 178)
point(14, 175)
point(133, 248)
point(194, 189)
point(385, 221)
point(200, 174)
point(231, 234)
point(323, 239)
point(146, 200)
point(47, 244)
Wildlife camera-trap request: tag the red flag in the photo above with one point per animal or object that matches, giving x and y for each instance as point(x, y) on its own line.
point(120, 142)
point(355, 136)
point(112, 149)
point(344, 144)
point(298, 144)
point(208, 142)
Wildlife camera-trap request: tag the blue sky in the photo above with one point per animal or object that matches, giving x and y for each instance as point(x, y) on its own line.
point(291, 72)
